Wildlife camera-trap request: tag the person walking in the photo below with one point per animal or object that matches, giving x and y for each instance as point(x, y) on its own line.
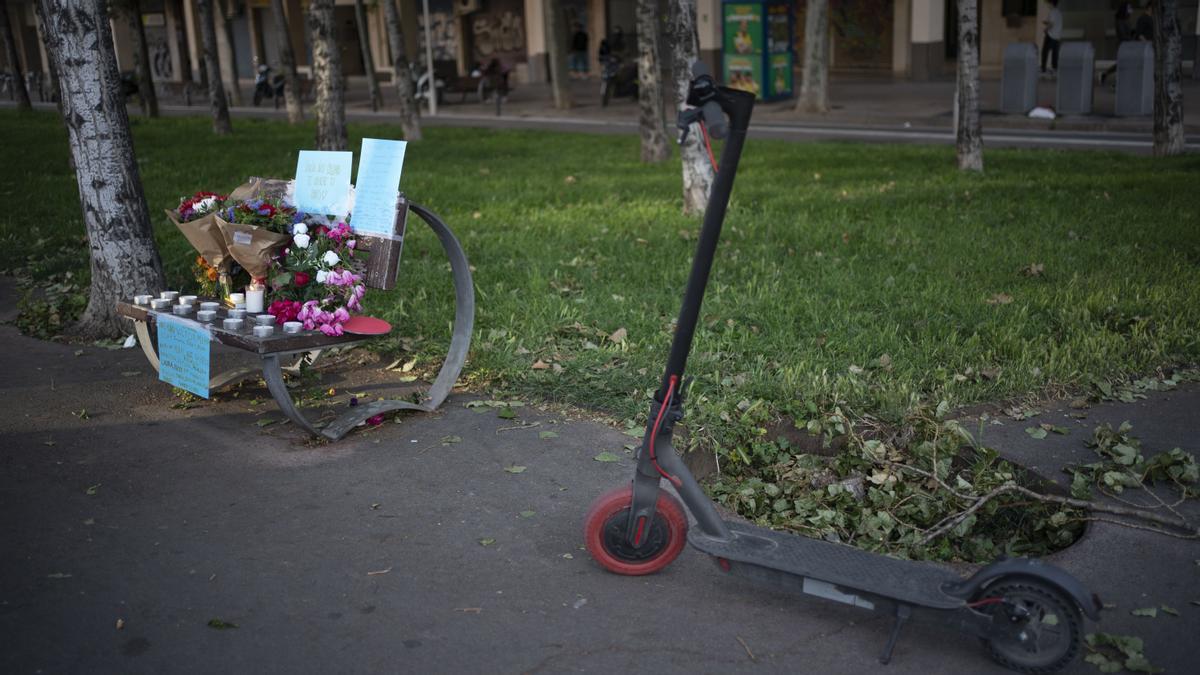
point(1144, 29)
point(1124, 32)
point(1052, 37)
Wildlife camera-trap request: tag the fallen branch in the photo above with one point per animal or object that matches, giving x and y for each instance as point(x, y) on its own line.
point(947, 524)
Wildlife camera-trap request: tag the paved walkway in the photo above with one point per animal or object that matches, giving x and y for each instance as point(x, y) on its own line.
point(128, 530)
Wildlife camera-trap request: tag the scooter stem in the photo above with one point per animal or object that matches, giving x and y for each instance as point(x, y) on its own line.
point(737, 105)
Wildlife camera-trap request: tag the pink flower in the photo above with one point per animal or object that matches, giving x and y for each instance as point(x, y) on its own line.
point(340, 315)
point(375, 420)
point(331, 328)
point(352, 243)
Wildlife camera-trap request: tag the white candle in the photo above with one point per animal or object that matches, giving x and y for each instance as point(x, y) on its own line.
point(210, 306)
point(236, 298)
point(206, 315)
point(160, 304)
point(292, 326)
point(187, 299)
point(142, 299)
point(237, 313)
point(169, 295)
point(264, 331)
point(232, 324)
point(254, 298)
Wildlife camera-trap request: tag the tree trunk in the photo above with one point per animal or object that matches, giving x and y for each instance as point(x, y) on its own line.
point(124, 261)
point(229, 55)
point(141, 58)
point(814, 84)
point(327, 76)
point(181, 43)
point(216, 93)
point(968, 139)
point(1168, 80)
point(364, 42)
point(410, 113)
point(651, 117)
point(14, 63)
point(556, 51)
point(685, 49)
point(287, 64)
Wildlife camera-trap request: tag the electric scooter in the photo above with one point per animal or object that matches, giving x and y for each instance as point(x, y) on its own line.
point(1029, 614)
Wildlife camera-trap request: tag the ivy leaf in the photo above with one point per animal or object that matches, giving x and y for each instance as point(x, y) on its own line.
point(1036, 432)
point(607, 456)
point(547, 434)
point(1102, 662)
point(487, 541)
point(1151, 612)
point(507, 413)
point(1169, 610)
point(528, 514)
point(221, 625)
point(515, 469)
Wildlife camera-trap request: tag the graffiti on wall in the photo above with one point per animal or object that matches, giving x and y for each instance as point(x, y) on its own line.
point(443, 32)
point(498, 35)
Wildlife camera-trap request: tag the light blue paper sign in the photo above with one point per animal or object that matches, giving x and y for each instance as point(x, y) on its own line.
point(379, 167)
point(323, 182)
point(183, 349)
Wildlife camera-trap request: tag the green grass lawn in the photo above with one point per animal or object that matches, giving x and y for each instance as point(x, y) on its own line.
point(873, 280)
point(862, 275)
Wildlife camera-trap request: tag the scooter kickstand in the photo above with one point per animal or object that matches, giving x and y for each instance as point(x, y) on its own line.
point(902, 613)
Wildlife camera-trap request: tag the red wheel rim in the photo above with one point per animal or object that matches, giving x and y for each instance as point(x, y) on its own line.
point(665, 536)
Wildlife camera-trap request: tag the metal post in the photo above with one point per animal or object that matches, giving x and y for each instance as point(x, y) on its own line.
point(429, 61)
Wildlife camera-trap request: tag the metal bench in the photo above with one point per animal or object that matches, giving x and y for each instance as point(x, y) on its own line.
point(382, 269)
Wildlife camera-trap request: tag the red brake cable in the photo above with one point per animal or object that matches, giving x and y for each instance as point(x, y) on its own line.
point(671, 382)
point(708, 146)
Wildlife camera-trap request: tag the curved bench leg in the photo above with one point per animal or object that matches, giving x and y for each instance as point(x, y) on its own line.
point(279, 391)
point(143, 336)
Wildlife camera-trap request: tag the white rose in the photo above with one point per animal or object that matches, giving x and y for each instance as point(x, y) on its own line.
point(205, 205)
point(322, 275)
point(301, 240)
point(331, 258)
point(300, 228)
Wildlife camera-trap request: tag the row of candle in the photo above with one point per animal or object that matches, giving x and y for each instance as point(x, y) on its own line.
point(264, 323)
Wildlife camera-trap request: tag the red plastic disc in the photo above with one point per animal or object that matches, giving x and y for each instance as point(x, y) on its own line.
point(366, 325)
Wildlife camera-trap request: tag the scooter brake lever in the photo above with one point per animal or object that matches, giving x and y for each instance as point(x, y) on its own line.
point(685, 121)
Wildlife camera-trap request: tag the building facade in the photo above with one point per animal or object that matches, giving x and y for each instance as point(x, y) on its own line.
point(914, 39)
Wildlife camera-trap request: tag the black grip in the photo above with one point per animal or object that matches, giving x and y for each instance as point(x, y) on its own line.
point(714, 120)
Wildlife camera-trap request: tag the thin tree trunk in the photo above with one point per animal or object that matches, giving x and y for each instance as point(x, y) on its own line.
point(124, 260)
point(968, 140)
point(410, 119)
point(229, 57)
point(651, 117)
point(287, 64)
point(216, 93)
point(814, 83)
point(14, 62)
point(556, 51)
point(327, 72)
point(685, 49)
point(181, 43)
point(364, 42)
point(1168, 80)
point(141, 58)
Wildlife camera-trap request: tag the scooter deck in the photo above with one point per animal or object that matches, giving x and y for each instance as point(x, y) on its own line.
point(907, 581)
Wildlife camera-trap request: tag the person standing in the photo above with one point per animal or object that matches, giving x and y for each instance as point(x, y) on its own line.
point(1144, 29)
point(579, 52)
point(1052, 37)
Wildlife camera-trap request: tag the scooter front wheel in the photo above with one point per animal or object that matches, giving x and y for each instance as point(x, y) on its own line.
point(606, 533)
point(1036, 627)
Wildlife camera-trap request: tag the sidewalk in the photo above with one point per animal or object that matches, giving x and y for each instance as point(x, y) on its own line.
point(368, 555)
point(856, 101)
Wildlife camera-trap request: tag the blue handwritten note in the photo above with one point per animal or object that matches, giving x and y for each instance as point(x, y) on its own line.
point(323, 182)
point(183, 354)
point(379, 167)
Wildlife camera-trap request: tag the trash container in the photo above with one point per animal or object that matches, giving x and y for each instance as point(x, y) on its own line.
point(1076, 68)
point(1018, 81)
point(1135, 79)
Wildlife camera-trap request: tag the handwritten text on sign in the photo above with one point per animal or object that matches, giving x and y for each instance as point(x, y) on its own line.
point(183, 354)
point(323, 182)
point(379, 167)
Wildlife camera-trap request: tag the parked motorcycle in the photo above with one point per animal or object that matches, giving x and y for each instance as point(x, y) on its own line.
point(266, 86)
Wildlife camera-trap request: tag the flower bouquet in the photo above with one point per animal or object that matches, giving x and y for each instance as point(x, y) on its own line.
point(254, 231)
point(318, 279)
point(196, 219)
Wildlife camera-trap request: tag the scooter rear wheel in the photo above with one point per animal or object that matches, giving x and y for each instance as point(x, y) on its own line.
point(605, 532)
point(1037, 626)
